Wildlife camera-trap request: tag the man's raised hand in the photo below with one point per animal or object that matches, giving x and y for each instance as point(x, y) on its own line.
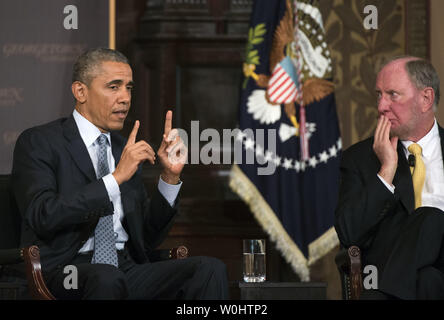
point(133, 154)
point(172, 152)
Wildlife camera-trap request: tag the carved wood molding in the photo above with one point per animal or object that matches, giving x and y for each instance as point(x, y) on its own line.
point(417, 26)
point(195, 18)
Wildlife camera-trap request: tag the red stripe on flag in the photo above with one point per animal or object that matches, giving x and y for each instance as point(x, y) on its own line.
point(283, 73)
point(289, 95)
point(276, 71)
point(284, 91)
point(278, 87)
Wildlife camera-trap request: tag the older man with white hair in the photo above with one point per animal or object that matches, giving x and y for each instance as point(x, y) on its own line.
point(392, 186)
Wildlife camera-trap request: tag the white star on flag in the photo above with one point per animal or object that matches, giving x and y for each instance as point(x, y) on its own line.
point(297, 166)
point(249, 144)
point(268, 156)
point(259, 150)
point(332, 151)
point(323, 157)
point(240, 135)
point(313, 162)
point(277, 161)
point(287, 163)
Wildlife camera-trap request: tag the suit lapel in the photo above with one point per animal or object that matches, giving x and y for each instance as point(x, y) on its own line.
point(77, 148)
point(117, 146)
point(403, 181)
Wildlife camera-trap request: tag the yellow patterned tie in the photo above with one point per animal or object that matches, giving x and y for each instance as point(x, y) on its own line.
point(418, 173)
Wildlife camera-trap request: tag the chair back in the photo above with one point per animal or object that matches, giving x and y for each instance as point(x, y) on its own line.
point(10, 220)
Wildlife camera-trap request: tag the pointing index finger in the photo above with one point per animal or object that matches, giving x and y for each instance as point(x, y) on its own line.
point(133, 134)
point(168, 122)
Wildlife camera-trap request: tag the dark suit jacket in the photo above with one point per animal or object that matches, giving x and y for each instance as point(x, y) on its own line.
point(60, 198)
point(382, 224)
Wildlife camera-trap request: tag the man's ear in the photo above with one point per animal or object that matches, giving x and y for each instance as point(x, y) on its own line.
point(428, 97)
point(79, 91)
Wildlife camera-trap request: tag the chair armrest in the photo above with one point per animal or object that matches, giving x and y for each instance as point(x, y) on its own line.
point(33, 269)
point(355, 272)
point(180, 252)
point(349, 265)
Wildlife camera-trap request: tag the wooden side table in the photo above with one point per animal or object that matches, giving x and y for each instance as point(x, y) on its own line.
point(281, 290)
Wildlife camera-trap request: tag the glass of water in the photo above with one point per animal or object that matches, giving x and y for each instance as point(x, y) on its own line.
point(254, 260)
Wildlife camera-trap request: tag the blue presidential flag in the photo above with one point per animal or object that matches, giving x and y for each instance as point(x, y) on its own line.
point(288, 125)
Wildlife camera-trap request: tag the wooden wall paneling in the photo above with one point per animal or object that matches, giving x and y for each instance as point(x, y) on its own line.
point(188, 55)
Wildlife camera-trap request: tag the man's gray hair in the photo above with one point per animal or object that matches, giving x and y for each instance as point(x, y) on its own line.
point(87, 63)
point(423, 75)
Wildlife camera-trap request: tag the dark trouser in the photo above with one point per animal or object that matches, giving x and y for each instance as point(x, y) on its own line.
point(191, 278)
point(414, 269)
point(375, 295)
point(429, 286)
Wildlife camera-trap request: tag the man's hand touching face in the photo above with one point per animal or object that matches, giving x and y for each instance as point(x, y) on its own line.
point(385, 147)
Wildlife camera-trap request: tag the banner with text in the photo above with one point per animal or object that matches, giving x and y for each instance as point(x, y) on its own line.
point(39, 42)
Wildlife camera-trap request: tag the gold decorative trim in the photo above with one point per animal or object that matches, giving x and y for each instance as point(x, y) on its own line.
point(112, 24)
point(240, 184)
point(322, 245)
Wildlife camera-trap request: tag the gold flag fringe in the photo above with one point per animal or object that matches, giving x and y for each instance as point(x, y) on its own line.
point(267, 219)
point(322, 245)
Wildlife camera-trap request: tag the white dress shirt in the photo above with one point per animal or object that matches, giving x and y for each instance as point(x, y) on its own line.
point(89, 133)
point(433, 190)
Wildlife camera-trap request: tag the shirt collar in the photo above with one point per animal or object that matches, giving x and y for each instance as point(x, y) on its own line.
point(88, 131)
point(427, 141)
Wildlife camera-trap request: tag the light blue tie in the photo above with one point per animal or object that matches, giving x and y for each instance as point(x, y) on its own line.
point(104, 240)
